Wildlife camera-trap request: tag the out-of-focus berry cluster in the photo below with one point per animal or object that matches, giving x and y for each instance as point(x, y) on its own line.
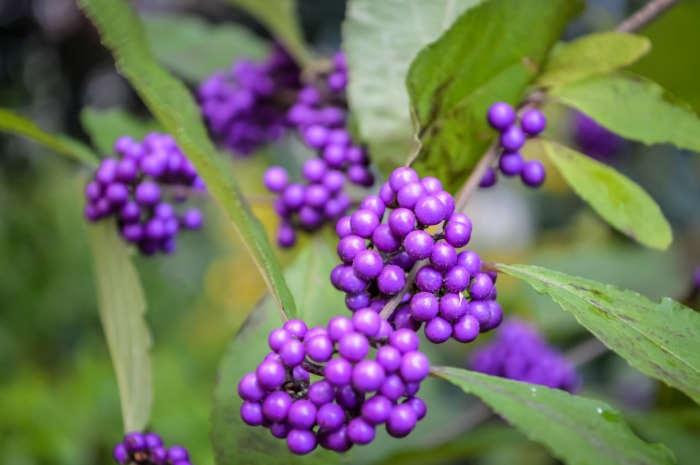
point(245, 107)
point(389, 234)
point(133, 189)
point(319, 115)
point(333, 386)
point(147, 449)
point(520, 353)
point(502, 117)
point(594, 140)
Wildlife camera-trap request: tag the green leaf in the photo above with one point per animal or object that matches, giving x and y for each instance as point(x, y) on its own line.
point(71, 148)
point(634, 107)
point(379, 51)
point(660, 339)
point(491, 53)
point(575, 429)
point(591, 55)
point(281, 19)
point(616, 198)
point(194, 49)
point(122, 307)
point(235, 442)
point(105, 126)
point(173, 106)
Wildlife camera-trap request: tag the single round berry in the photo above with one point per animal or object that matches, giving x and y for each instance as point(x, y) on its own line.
point(270, 374)
point(470, 260)
point(481, 286)
point(374, 204)
point(466, 329)
point(276, 406)
point(321, 392)
point(414, 366)
point(391, 280)
point(401, 222)
point(363, 223)
point(489, 178)
point(402, 176)
point(367, 322)
point(292, 353)
point(353, 346)
point(177, 454)
point(252, 413)
point(368, 376)
point(431, 184)
point(533, 173)
point(384, 240)
point(360, 431)
point(511, 163)
point(512, 139)
point(404, 340)
point(418, 406)
point(457, 279)
point(428, 279)
point(276, 179)
point(501, 116)
point(424, 306)
point(339, 326)
point(410, 194)
point(376, 410)
point(330, 417)
point(438, 330)
point(418, 244)
point(249, 389)
point(443, 256)
point(301, 442)
point(389, 357)
point(430, 210)
point(367, 264)
point(401, 421)
point(453, 306)
point(318, 348)
point(533, 122)
point(338, 371)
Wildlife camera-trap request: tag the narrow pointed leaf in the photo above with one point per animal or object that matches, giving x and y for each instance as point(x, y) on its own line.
point(577, 430)
point(591, 55)
point(281, 19)
point(122, 309)
point(634, 107)
point(234, 442)
point(15, 124)
point(379, 51)
point(616, 198)
point(660, 339)
point(172, 105)
point(491, 53)
point(194, 49)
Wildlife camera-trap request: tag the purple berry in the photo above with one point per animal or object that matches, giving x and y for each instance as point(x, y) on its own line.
point(404, 340)
point(338, 372)
point(270, 374)
point(418, 244)
point(249, 389)
point(360, 432)
point(500, 116)
point(391, 280)
point(512, 139)
point(120, 454)
point(438, 330)
point(349, 247)
point(414, 366)
point(533, 173)
point(367, 322)
point(424, 306)
point(443, 256)
point(402, 176)
point(367, 264)
point(401, 222)
point(368, 376)
point(481, 286)
point(363, 223)
point(376, 410)
point(466, 329)
point(252, 413)
point(301, 442)
point(410, 194)
point(401, 421)
point(489, 178)
point(533, 122)
point(384, 240)
point(511, 163)
point(453, 306)
point(276, 406)
point(428, 279)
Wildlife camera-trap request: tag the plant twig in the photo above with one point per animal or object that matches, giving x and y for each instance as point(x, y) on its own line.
point(488, 159)
point(394, 302)
point(650, 12)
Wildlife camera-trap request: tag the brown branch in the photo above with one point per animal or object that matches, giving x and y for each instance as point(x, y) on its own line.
point(650, 12)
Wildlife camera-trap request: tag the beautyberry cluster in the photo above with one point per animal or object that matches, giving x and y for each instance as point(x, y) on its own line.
point(319, 115)
point(390, 234)
point(147, 449)
point(132, 188)
point(245, 107)
point(594, 140)
point(520, 353)
point(352, 392)
point(502, 117)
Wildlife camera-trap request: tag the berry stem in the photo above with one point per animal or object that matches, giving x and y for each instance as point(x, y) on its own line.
point(642, 17)
point(488, 159)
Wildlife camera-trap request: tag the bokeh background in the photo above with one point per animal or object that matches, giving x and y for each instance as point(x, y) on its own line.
point(58, 395)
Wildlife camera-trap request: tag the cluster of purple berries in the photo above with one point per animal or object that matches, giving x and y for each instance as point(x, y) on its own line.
point(450, 293)
point(130, 189)
point(245, 107)
point(147, 449)
point(520, 353)
point(502, 117)
point(352, 394)
point(594, 140)
point(319, 115)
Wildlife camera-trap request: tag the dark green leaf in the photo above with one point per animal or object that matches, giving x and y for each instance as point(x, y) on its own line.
point(379, 51)
point(660, 339)
point(195, 49)
point(173, 106)
point(491, 53)
point(592, 55)
point(122, 307)
point(575, 429)
point(16, 124)
point(616, 198)
point(235, 442)
point(280, 17)
point(635, 108)
point(105, 126)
